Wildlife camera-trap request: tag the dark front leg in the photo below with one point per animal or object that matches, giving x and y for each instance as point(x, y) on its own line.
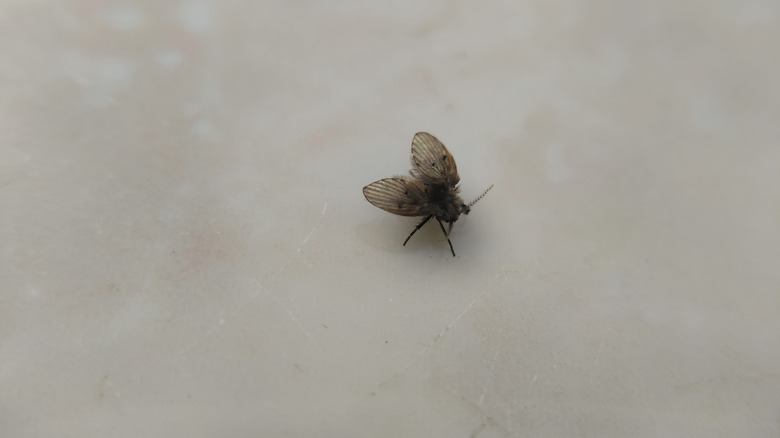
point(446, 235)
point(427, 218)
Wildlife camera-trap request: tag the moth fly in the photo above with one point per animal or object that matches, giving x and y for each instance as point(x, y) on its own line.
point(432, 190)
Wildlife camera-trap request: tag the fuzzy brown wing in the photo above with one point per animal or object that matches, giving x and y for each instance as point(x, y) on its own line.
point(432, 160)
point(398, 195)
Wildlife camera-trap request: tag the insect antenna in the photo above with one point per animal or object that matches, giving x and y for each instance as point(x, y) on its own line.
point(480, 196)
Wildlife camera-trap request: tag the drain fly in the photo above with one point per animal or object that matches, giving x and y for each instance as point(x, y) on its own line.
point(432, 190)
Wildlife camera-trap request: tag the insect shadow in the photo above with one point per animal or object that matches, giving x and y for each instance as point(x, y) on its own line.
point(431, 190)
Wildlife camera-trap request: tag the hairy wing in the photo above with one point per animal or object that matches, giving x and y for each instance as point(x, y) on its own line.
point(433, 161)
point(398, 195)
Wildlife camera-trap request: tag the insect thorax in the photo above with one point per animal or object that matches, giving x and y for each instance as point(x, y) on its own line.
point(444, 202)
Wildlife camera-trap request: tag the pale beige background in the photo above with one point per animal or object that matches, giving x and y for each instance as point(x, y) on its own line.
point(185, 250)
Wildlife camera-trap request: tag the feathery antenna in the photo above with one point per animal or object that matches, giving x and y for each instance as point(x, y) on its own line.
point(480, 196)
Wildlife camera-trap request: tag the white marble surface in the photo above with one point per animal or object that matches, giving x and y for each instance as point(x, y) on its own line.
point(186, 250)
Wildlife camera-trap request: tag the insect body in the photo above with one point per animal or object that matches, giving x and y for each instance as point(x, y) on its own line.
point(431, 190)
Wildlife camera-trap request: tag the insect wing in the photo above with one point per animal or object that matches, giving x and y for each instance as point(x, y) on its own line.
point(398, 195)
point(433, 161)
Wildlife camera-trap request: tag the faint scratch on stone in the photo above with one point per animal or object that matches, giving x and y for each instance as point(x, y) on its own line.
point(533, 383)
point(490, 376)
point(319, 221)
point(435, 339)
point(208, 333)
point(449, 326)
point(211, 330)
point(289, 313)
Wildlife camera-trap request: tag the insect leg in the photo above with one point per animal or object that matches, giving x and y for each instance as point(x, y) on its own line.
point(427, 218)
point(446, 235)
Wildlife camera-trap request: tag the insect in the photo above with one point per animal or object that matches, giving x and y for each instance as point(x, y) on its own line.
point(431, 190)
